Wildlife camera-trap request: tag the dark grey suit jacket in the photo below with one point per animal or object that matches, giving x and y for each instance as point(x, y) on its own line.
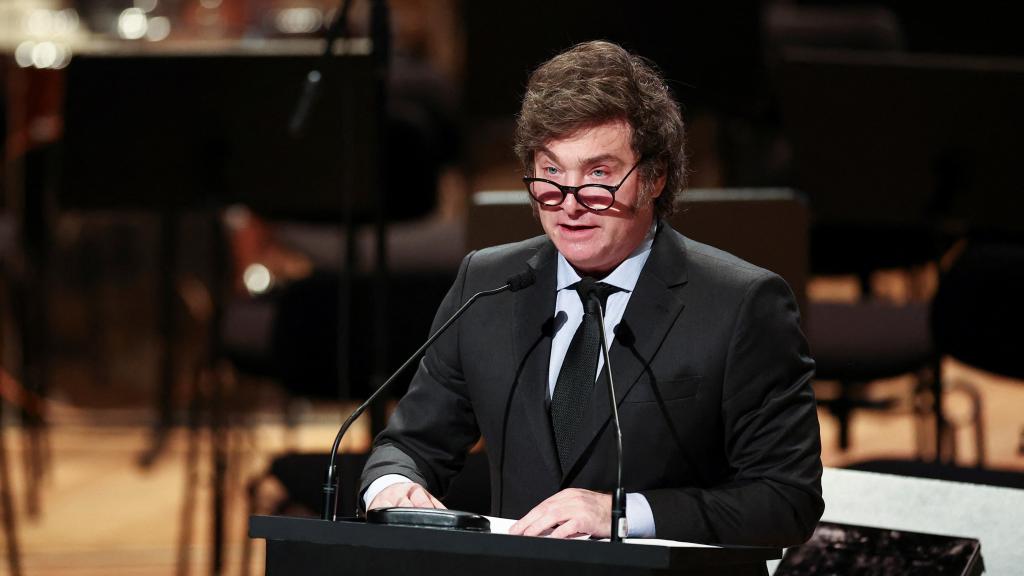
point(719, 426)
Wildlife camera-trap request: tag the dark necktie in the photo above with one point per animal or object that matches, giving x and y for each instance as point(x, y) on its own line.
point(579, 369)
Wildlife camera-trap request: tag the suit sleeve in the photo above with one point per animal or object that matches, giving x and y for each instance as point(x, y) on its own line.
point(770, 428)
point(433, 427)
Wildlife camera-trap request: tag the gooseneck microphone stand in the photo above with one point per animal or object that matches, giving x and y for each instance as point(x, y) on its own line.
point(618, 528)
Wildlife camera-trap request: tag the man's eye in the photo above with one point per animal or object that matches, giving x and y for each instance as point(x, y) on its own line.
point(551, 170)
point(599, 173)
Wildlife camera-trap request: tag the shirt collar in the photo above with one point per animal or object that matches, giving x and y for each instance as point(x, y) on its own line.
point(624, 276)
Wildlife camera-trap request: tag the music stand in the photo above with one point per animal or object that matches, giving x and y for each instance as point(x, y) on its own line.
point(177, 129)
point(201, 126)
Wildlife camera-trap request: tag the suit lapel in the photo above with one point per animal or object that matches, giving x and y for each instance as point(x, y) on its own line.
point(653, 308)
point(533, 328)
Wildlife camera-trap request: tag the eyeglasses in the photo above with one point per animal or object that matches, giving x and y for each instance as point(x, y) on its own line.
point(596, 197)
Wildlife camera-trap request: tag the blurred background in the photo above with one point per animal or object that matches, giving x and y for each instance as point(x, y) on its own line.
point(205, 264)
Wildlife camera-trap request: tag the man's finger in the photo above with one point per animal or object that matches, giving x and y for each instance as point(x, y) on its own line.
point(405, 495)
point(567, 530)
point(543, 525)
point(520, 526)
point(542, 518)
point(420, 498)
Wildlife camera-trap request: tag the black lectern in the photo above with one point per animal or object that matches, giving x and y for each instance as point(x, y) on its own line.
point(314, 547)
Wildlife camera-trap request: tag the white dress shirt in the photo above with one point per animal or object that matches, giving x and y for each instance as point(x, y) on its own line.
point(639, 517)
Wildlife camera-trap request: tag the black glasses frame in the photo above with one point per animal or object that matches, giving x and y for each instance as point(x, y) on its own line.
point(575, 190)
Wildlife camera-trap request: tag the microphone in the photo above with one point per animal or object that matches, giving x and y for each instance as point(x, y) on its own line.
point(330, 487)
point(618, 528)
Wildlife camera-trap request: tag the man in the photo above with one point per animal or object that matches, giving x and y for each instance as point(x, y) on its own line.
point(720, 433)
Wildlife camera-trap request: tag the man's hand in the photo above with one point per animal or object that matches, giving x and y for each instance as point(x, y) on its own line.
point(571, 512)
point(406, 495)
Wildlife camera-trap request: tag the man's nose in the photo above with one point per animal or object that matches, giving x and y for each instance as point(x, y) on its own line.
point(572, 206)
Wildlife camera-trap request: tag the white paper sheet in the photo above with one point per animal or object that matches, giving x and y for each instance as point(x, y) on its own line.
point(502, 525)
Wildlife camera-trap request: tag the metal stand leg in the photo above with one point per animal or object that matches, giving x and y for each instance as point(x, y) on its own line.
point(7, 503)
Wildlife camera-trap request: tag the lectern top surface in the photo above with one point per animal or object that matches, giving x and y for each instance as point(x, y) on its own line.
point(397, 538)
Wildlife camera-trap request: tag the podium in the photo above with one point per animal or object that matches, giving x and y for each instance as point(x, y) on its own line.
point(318, 547)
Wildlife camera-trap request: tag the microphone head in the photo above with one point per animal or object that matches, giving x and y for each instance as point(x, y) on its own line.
point(554, 324)
point(624, 335)
point(521, 280)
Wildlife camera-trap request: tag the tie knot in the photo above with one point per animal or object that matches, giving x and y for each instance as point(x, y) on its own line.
point(591, 292)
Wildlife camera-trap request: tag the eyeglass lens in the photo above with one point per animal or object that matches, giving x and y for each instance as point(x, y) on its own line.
point(594, 197)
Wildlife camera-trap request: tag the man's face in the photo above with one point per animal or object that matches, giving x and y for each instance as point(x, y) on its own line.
point(595, 242)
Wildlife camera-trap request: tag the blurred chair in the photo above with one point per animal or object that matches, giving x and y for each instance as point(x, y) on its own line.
point(857, 343)
point(895, 177)
point(868, 213)
point(978, 312)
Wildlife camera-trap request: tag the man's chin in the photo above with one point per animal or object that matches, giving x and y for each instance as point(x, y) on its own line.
point(587, 264)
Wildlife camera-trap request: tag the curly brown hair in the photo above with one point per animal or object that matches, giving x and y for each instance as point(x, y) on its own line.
point(597, 82)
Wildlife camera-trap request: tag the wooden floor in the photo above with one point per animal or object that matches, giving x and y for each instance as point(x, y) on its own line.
point(102, 513)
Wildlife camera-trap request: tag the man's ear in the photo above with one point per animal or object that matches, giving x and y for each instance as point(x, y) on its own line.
point(658, 185)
